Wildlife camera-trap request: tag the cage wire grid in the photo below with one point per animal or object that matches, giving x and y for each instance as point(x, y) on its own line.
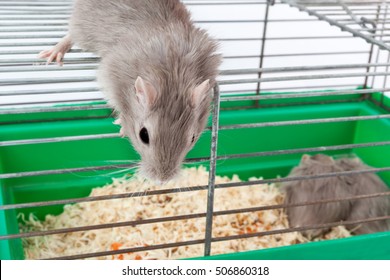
point(369, 23)
point(27, 86)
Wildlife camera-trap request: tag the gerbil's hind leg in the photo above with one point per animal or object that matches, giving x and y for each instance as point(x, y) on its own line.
point(58, 51)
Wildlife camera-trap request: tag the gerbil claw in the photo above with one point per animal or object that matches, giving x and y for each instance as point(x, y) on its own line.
point(122, 133)
point(59, 58)
point(117, 122)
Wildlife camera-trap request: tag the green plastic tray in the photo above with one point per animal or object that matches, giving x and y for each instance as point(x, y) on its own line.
point(47, 156)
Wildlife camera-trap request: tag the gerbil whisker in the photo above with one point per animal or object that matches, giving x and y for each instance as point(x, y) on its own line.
point(121, 170)
point(121, 161)
point(109, 166)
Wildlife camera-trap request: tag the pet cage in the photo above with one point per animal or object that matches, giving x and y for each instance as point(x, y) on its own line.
point(290, 84)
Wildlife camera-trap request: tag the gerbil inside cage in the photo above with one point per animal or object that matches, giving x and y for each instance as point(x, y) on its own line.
point(298, 77)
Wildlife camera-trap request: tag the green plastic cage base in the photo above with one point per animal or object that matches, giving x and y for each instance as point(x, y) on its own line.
point(367, 247)
point(98, 152)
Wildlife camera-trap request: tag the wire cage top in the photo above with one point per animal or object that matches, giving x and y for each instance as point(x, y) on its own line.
point(365, 19)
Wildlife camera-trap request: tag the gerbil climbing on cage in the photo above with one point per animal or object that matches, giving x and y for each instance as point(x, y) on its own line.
point(290, 84)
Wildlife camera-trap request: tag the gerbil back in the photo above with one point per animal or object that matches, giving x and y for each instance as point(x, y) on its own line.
point(97, 25)
point(332, 188)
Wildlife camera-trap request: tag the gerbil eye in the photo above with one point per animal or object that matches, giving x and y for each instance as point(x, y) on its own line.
point(144, 135)
point(193, 139)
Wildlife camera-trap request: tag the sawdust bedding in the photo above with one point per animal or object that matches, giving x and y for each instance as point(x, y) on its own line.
point(136, 208)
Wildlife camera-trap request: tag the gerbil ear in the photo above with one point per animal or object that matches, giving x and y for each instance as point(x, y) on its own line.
point(305, 158)
point(356, 160)
point(146, 93)
point(199, 93)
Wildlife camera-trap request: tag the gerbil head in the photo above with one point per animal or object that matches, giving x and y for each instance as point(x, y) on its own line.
point(317, 159)
point(316, 164)
point(164, 126)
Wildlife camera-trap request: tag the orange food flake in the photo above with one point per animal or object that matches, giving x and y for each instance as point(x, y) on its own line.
point(115, 246)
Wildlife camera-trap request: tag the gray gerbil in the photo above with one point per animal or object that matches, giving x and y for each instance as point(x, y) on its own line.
point(335, 187)
point(157, 71)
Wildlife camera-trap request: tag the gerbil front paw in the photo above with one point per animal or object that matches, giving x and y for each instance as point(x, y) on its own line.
point(52, 55)
point(57, 52)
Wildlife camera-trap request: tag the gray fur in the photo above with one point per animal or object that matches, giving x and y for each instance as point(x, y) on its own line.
point(335, 187)
point(155, 40)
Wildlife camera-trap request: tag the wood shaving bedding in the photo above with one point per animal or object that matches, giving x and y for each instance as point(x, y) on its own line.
point(139, 208)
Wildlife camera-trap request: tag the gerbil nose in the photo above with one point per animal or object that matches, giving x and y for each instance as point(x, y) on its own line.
point(167, 177)
point(160, 181)
point(158, 174)
point(166, 174)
